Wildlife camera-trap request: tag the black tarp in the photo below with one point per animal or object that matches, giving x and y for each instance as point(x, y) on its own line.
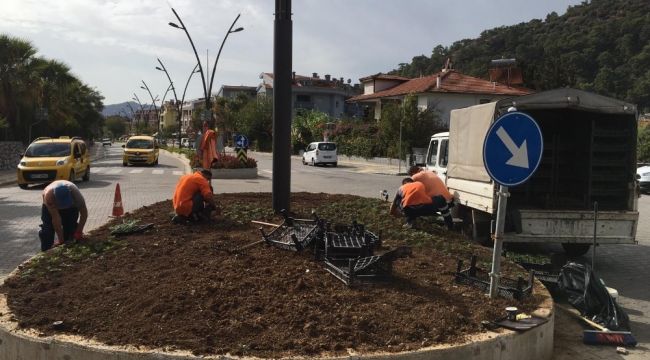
point(587, 293)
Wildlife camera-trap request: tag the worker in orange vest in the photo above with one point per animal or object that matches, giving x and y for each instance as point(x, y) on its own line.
point(413, 201)
point(193, 197)
point(436, 189)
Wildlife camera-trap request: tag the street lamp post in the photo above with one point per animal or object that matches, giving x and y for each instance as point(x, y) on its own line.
point(207, 89)
point(136, 98)
point(179, 105)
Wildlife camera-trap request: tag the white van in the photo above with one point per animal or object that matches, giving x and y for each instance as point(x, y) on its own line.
point(318, 153)
point(438, 154)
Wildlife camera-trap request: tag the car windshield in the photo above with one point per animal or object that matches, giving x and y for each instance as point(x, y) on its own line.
point(327, 146)
point(139, 144)
point(48, 150)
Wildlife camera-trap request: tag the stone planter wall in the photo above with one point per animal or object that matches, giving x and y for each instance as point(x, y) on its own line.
point(10, 154)
point(248, 173)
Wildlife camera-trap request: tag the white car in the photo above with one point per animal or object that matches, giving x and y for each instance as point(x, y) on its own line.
point(643, 174)
point(320, 153)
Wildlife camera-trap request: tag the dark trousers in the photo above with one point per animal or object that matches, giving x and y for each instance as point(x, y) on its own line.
point(69, 219)
point(199, 206)
point(439, 205)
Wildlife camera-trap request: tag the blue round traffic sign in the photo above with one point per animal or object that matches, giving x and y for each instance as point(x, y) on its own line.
point(512, 149)
point(241, 141)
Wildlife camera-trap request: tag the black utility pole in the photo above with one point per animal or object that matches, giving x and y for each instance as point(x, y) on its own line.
point(282, 47)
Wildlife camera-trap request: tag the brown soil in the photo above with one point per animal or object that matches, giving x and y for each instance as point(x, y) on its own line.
point(186, 287)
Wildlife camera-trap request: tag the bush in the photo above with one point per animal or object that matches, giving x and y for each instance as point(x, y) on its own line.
point(232, 162)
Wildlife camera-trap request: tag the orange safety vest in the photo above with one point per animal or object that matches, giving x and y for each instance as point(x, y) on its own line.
point(414, 194)
point(187, 186)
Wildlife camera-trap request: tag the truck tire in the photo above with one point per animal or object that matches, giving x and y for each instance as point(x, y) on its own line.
point(575, 250)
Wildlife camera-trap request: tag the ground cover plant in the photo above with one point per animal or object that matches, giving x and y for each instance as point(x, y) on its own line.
point(177, 287)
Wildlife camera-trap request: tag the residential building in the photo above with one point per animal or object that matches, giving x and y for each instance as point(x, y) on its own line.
point(231, 92)
point(169, 115)
point(327, 95)
point(444, 91)
point(147, 116)
point(187, 112)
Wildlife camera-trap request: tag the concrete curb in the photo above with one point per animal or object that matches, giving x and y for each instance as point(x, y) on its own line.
point(182, 158)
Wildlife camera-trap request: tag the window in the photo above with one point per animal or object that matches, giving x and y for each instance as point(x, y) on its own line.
point(303, 98)
point(432, 153)
point(444, 153)
point(48, 149)
point(327, 146)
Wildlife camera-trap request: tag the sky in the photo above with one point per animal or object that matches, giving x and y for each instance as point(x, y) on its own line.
point(112, 45)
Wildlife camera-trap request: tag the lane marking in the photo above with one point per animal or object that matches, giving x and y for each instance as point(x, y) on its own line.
point(114, 171)
point(136, 171)
point(178, 172)
point(158, 172)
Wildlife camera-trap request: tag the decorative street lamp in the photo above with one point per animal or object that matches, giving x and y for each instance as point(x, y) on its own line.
point(179, 105)
point(207, 89)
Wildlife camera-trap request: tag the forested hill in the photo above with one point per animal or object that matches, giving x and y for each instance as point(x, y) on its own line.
point(601, 46)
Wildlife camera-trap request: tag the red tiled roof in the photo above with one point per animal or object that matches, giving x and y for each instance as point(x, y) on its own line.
point(381, 76)
point(451, 82)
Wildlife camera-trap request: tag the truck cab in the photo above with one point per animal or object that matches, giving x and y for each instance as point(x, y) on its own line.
point(438, 154)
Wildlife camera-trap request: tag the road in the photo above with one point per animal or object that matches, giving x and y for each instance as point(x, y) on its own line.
point(621, 266)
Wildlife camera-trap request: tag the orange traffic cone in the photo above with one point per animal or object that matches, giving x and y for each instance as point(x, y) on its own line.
point(118, 210)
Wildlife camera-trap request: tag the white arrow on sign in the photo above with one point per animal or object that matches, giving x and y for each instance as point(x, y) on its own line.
point(519, 153)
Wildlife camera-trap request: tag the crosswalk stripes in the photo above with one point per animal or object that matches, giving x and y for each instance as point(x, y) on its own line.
point(115, 171)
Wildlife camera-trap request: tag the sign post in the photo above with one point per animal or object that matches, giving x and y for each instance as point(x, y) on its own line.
point(512, 151)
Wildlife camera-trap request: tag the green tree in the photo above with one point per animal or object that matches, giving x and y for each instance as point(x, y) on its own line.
point(643, 144)
point(306, 127)
point(255, 120)
point(115, 125)
point(31, 87)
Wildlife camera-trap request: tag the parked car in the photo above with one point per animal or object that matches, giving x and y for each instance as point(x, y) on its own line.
point(142, 150)
point(106, 141)
point(320, 153)
point(643, 174)
point(48, 159)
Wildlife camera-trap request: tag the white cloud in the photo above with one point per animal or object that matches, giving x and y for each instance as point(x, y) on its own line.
point(113, 44)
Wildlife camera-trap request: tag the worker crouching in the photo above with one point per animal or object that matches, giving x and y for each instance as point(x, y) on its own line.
point(193, 198)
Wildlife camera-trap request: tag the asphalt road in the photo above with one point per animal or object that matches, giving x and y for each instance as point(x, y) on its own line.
point(620, 266)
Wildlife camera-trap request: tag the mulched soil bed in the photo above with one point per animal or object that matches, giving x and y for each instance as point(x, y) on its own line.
point(178, 287)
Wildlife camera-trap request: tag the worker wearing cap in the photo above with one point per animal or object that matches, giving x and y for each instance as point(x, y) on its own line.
point(436, 189)
point(193, 199)
point(63, 205)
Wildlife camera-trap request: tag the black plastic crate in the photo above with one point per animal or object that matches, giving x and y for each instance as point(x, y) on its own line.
point(363, 269)
point(478, 278)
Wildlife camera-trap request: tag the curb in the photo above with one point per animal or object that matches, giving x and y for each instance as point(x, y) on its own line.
point(182, 158)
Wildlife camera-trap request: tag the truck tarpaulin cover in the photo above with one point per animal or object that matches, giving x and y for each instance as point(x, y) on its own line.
point(587, 293)
point(467, 129)
point(567, 99)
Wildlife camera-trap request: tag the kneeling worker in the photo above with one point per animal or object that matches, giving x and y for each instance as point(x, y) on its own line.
point(193, 198)
point(436, 189)
point(62, 206)
point(414, 202)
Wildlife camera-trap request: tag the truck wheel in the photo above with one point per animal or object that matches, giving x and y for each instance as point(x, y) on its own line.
point(86, 175)
point(575, 250)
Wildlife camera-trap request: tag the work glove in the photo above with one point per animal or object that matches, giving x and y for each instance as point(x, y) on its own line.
point(78, 235)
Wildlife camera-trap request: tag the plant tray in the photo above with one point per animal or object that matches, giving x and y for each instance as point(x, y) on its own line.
point(369, 268)
point(546, 273)
point(133, 230)
point(508, 288)
point(346, 241)
point(294, 234)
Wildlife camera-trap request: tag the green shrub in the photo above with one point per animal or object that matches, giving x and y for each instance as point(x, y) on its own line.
point(232, 162)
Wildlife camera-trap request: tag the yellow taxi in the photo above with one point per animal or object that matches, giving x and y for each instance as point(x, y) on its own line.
point(48, 159)
point(142, 150)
